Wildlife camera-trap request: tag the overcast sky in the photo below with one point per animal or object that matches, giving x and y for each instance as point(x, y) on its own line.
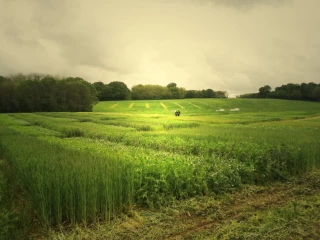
point(232, 45)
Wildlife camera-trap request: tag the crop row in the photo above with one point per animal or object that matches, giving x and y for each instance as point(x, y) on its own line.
point(246, 150)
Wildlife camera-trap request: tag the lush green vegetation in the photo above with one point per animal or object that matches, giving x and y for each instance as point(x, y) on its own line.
point(44, 93)
point(304, 91)
point(90, 167)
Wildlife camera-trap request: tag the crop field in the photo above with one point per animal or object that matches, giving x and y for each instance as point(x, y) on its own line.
point(89, 167)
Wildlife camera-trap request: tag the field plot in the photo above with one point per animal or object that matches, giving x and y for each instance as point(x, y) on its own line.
point(90, 167)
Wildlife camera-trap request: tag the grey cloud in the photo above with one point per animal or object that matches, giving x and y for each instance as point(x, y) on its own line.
point(244, 4)
point(75, 36)
point(195, 43)
point(56, 22)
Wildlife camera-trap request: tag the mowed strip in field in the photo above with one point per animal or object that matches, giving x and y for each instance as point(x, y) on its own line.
point(114, 105)
point(163, 105)
point(195, 105)
point(178, 105)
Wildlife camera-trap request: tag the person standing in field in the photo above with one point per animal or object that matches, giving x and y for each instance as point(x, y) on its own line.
point(177, 113)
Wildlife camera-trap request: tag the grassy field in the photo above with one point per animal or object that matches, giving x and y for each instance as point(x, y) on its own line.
point(133, 170)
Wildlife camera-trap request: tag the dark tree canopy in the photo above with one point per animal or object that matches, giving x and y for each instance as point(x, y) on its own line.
point(7, 89)
point(206, 93)
point(150, 91)
point(118, 91)
point(264, 91)
point(38, 93)
point(99, 86)
point(172, 85)
point(290, 91)
point(176, 92)
point(112, 91)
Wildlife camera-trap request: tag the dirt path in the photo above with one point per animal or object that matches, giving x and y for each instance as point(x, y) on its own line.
point(237, 209)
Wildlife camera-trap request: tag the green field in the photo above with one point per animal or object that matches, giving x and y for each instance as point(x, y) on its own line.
point(130, 158)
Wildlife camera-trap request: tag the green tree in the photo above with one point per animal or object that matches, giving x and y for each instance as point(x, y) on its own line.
point(176, 92)
point(208, 93)
point(99, 86)
point(6, 95)
point(307, 90)
point(116, 91)
point(192, 94)
point(150, 91)
point(79, 95)
point(49, 100)
point(221, 94)
point(264, 91)
point(23, 96)
point(172, 85)
point(316, 93)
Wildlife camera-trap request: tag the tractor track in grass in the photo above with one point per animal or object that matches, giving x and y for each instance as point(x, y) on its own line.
point(237, 210)
point(289, 120)
point(242, 206)
point(301, 119)
point(308, 118)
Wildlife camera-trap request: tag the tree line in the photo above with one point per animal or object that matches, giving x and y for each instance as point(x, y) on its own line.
point(304, 91)
point(46, 93)
point(119, 91)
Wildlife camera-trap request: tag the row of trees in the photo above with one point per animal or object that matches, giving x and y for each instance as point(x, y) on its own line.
point(40, 93)
point(112, 91)
point(304, 91)
point(119, 91)
point(208, 93)
point(149, 91)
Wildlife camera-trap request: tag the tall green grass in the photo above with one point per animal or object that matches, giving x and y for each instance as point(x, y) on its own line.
point(68, 186)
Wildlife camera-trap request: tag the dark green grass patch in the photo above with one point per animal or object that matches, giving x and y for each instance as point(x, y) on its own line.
point(181, 125)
